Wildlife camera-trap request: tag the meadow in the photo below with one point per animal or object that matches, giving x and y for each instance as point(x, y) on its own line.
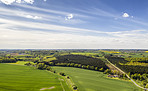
point(88, 80)
point(25, 78)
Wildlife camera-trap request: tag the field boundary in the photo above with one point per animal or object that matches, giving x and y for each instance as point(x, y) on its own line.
point(61, 84)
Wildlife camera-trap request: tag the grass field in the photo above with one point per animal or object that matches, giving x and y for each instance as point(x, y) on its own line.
point(50, 59)
point(88, 80)
point(25, 78)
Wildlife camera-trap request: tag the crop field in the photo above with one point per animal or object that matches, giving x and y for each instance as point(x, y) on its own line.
point(25, 78)
point(87, 80)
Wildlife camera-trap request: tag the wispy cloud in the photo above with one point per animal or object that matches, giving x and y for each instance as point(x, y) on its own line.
point(41, 39)
point(63, 39)
point(31, 16)
point(50, 11)
point(44, 17)
point(43, 26)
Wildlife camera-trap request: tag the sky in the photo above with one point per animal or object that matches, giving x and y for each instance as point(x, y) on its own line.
point(73, 24)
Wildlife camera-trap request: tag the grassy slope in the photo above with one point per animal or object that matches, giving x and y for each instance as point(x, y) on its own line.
point(88, 80)
point(24, 78)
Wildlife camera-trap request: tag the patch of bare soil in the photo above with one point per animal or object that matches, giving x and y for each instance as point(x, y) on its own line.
point(47, 88)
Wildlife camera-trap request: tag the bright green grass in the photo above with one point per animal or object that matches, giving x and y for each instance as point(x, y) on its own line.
point(88, 80)
point(50, 59)
point(25, 78)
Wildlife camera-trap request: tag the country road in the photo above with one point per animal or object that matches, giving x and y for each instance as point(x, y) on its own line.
point(126, 75)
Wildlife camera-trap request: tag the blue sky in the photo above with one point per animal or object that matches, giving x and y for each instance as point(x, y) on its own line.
point(73, 24)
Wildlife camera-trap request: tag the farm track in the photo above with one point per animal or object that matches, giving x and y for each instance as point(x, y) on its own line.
point(126, 75)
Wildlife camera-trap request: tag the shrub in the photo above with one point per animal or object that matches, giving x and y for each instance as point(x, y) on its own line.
point(54, 71)
point(79, 66)
point(41, 66)
point(108, 71)
point(101, 69)
point(72, 65)
point(62, 74)
point(28, 64)
point(48, 68)
point(74, 87)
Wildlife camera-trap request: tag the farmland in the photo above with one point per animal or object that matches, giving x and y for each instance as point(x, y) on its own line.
point(87, 69)
point(24, 78)
point(88, 80)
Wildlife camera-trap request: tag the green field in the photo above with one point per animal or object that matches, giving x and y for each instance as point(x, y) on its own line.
point(25, 78)
point(88, 80)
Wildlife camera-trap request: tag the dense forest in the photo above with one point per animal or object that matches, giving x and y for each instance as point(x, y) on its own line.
point(128, 68)
point(80, 59)
point(141, 60)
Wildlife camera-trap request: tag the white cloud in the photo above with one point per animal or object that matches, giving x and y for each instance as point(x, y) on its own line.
point(45, 0)
point(125, 15)
point(9, 2)
point(11, 37)
point(28, 15)
point(40, 39)
point(19, 1)
point(68, 17)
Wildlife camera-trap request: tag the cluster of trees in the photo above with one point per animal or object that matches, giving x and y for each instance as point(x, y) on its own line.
point(128, 68)
point(41, 66)
point(81, 61)
point(11, 59)
point(120, 75)
point(8, 60)
point(134, 69)
point(137, 72)
point(143, 78)
point(141, 60)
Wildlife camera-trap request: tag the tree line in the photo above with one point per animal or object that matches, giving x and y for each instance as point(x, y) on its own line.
point(8, 60)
